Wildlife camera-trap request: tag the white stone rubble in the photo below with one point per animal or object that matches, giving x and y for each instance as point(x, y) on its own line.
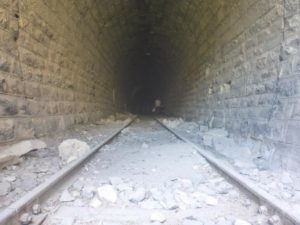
point(25, 219)
point(95, 203)
point(241, 222)
point(5, 188)
point(72, 149)
point(108, 193)
point(66, 196)
point(158, 217)
point(11, 155)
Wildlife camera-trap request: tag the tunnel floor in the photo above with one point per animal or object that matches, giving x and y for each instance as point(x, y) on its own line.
point(147, 172)
point(148, 175)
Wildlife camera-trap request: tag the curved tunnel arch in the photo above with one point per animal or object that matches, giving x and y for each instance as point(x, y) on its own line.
point(199, 56)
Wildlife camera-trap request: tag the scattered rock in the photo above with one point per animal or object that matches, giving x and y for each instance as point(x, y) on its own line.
point(208, 141)
point(75, 193)
point(224, 221)
point(241, 222)
point(66, 197)
point(144, 145)
point(203, 128)
point(224, 188)
point(150, 204)
point(156, 194)
point(169, 202)
point(172, 123)
point(5, 188)
point(88, 191)
point(108, 193)
point(286, 178)
point(10, 178)
point(158, 217)
point(191, 222)
point(11, 155)
point(247, 203)
point(260, 221)
point(72, 149)
point(39, 219)
point(183, 197)
point(36, 209)
point(25, 219)
point(27, 181)
point(274, 220)
point(114, 181)
point(211, 201)
point(5, 201)
point(124, 187)
point(263, 210)
point(95, 203)
point(286, 195)
point(78, 185)
point(137, 195)
point(78, 203)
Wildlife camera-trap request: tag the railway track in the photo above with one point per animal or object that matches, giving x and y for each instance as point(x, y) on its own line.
point(145, 172)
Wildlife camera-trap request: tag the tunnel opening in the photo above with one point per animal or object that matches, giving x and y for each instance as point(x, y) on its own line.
point(145, 67)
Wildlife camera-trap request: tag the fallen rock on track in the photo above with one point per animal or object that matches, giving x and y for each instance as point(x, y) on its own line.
point(72, 149)
point(5, 188)
point(108, 193)
point(11, 155)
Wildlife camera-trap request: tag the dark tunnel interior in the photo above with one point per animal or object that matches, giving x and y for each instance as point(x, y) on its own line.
point(145, 67)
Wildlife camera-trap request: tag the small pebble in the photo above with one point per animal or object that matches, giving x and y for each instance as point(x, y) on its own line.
point(274, 220)
point(25, 219)
point(241, 222)
point(211, 201)
point(95, 203)
point(158, 217)
point(36, 209)
point(263, 210)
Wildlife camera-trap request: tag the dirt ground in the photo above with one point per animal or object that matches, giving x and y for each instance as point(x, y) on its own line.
point(36, 166)
point(147, 176)
point(282, 183)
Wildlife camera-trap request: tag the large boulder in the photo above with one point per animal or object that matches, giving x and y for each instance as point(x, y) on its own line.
point(11, 155)
point(72, 149)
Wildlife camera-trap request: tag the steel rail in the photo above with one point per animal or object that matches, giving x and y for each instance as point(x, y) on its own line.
point(282, 208)
point(10, 212)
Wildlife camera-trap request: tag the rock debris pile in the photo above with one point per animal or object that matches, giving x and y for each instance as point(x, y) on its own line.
point(253, 159)
point(162, 183)
point(25, 165)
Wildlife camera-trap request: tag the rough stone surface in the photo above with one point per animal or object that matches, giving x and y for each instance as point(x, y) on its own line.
point(66, 196)
point(5, 188)
point(36, 209)
point(95, 203)
point(274, 220)
point(11, 155)
point(72, 149)
point(137, 195)
point(241, 222)
point(108, 193)
point(25, 219)
point(54, 71)
point(158, 217)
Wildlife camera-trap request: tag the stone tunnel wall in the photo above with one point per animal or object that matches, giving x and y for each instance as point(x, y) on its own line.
point(56, 67)
point(239, 64)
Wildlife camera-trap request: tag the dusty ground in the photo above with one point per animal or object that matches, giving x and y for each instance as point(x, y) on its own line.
point(281, 183)
point(37, 166)
point(147, 176)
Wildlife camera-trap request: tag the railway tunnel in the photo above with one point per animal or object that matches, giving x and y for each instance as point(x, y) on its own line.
point(230, 69)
